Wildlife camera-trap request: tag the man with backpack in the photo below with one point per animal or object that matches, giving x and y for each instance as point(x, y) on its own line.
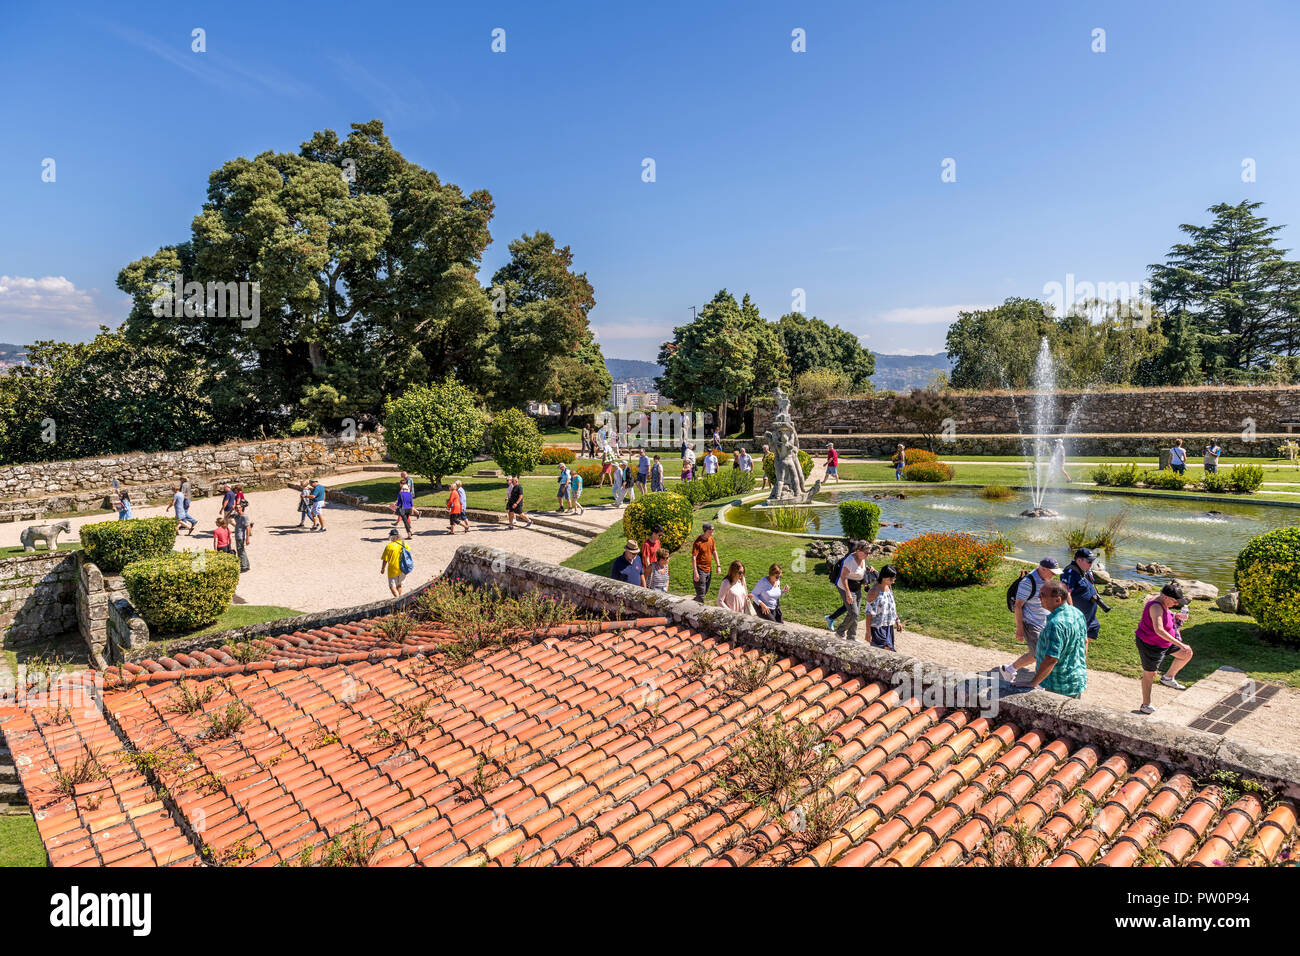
point(1077, 578)
point(396, 562)
point(1022, 601)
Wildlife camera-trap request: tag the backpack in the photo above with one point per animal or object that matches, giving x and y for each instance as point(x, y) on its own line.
point(406, 562)
point(1015, 586)
point(834, 568)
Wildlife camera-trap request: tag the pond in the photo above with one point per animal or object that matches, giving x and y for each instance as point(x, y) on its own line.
point(1177, 533)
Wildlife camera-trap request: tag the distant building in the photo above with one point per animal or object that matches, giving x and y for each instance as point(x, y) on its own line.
point(618, 396)
point(634, 399)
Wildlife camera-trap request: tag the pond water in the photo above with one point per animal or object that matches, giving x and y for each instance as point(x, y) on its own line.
point(1180, 534)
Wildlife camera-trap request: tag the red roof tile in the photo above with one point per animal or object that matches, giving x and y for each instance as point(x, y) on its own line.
point(594, 744)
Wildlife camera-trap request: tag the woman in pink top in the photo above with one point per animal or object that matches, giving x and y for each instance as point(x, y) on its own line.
point(1156, 633)
point(733, 593)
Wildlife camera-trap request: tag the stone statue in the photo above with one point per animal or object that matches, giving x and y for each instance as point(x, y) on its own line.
point(49, 533)
point(787, 482)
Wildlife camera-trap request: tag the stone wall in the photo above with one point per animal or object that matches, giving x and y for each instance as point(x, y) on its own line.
point(1174, 745)
point(37, 596)
point(1116, 447)
point(96, 595)
point(86, 483)
point(1219, 412)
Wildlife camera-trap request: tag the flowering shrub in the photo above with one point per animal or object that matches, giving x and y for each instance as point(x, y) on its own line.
point(666, 508)
point(915, 456)
point(1268, 577)
point(948, 559)
point(928, 471)
point(590, 473)
point(554, 455)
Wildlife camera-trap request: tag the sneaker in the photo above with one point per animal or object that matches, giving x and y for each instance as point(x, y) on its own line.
point(1146, 709)
point(1008, 673)
point(1172, 682)
point(830, 625)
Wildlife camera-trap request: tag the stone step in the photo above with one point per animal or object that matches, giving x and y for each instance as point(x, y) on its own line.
point(12, 794)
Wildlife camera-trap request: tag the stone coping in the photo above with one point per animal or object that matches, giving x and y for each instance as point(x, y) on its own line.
point(1196, 751)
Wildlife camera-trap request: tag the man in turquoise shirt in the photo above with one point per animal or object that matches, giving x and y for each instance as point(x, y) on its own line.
point(1062, 645)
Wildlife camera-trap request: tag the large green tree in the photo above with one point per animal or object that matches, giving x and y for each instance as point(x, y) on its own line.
point(810, 343)
point(106, 396)
point(365, 265)
point(434, 430)
point(711, 359)
point(1238, 289)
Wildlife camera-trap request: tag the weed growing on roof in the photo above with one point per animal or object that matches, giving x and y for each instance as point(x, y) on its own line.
point(1016, 845)
point(248, 652)
point(701, 664)
point(487, 774)
point(396, 628)
point(59, 716)
point(749, 674)
point(823, 813)
point(154, 763)
point(324, 738)
point(237, 854)
point(41, 670)
point(769, 762)
point(479, 616)
point(85, 769)
point(412, 720)
point(228, 722)
point(1233, 785)
point(212, 783)
point(189, 701)
point(350, 848)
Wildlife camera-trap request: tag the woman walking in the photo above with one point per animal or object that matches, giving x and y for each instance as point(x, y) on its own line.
point(123, 506)
point(454, 510)
point(657, 475)
point(880, 611)
point(221, 536)
point(767, 594)
point(900, 462)
point(629, 481)
point(405, 505)
point(733, 592)
point(1156, 633)
point(619, 487)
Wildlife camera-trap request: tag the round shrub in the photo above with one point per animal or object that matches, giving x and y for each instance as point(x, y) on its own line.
point(590, 474)
point(860, 519)
point(1104, 475)
point(929, 471)
point(948, 559)
point(665, 508)
point(554, 455)
point(1268, 577)
point(112, 545)
point(182, 590)
point(434, 430)
point(915, 456)
point(769, 464)
point(1217, 482)
point(516, 442)
point(1245, 478)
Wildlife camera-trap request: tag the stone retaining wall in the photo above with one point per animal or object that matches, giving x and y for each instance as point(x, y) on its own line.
point(1177, 411)
point(1171, 744)
point(97, 617)
point(85, 484)
point(38, 596)
point(1116, 447)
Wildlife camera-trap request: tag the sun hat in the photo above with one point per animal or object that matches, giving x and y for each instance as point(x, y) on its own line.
point(631, 546)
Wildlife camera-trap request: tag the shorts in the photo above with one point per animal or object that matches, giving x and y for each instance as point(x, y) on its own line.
point(1150, 654)
point(575, 495)
point(1031, 637)
point(516, 509)
point(397, 578)
point(606, 469)
point(316, 508)
point(1179, 469)
point(832, 470)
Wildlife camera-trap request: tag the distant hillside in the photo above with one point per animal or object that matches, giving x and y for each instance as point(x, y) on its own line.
point(622, 370)
point(899, 372)
point(12, 354)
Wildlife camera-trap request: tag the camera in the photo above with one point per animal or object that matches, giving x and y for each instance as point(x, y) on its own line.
point(1103, 605)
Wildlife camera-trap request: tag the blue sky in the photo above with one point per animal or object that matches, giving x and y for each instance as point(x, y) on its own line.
point(775, 170)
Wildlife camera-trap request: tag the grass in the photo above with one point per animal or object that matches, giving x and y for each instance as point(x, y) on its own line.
point(20, 843)
point(975, 614)
point(17, 550)
point(241, 615)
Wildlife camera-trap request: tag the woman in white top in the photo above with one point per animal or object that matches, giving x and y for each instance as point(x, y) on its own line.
point(733, 592)
point(881, 611)
point(767, 594)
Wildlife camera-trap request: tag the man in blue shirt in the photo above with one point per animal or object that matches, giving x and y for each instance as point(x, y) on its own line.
point(627, 566)
point(642, 470)
point(317, 506)
point(1083, 592)
point(1061, 654)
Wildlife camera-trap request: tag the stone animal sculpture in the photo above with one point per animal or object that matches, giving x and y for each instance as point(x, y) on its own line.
point(49, 533)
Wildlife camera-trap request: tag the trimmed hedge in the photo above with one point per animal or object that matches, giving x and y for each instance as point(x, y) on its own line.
point(666, 508)
point(183, 590)
point(948, 559)
point(112, 545)
point(929, 471)
point(1121, 476)
point(1166, 480)
point(1268, 577)
point(727, 483)
point(860, 519)
point(516, 442)
point(553, 455)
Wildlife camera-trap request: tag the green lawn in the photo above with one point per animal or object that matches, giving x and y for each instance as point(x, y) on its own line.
point(975, 614)
point(73, 545)
point(237, 615)
point(20, 844)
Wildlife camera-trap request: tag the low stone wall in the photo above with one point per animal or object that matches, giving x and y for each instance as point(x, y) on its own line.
point(1178, 411)
point(85, 484)
point(1171, 744)
point(97, 619)
point(38, 596)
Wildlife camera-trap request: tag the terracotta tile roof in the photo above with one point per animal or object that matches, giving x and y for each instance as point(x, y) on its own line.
point(614, 748)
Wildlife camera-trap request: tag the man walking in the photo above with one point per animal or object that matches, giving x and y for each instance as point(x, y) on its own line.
point(704, 561)
point(710, 463)
point(390, 563)
point(1062, 654)
point(243, 530)
point(515, 502)
point(642, 470)
point(183, 517)
point(1030, 616)
point(317, 505)
point(832, 462)
point(1078, 581)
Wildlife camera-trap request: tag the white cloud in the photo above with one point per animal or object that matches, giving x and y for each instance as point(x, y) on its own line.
point(927, 314)
point(50, 307)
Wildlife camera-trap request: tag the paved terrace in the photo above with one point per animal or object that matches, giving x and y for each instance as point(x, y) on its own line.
point(613, 744)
